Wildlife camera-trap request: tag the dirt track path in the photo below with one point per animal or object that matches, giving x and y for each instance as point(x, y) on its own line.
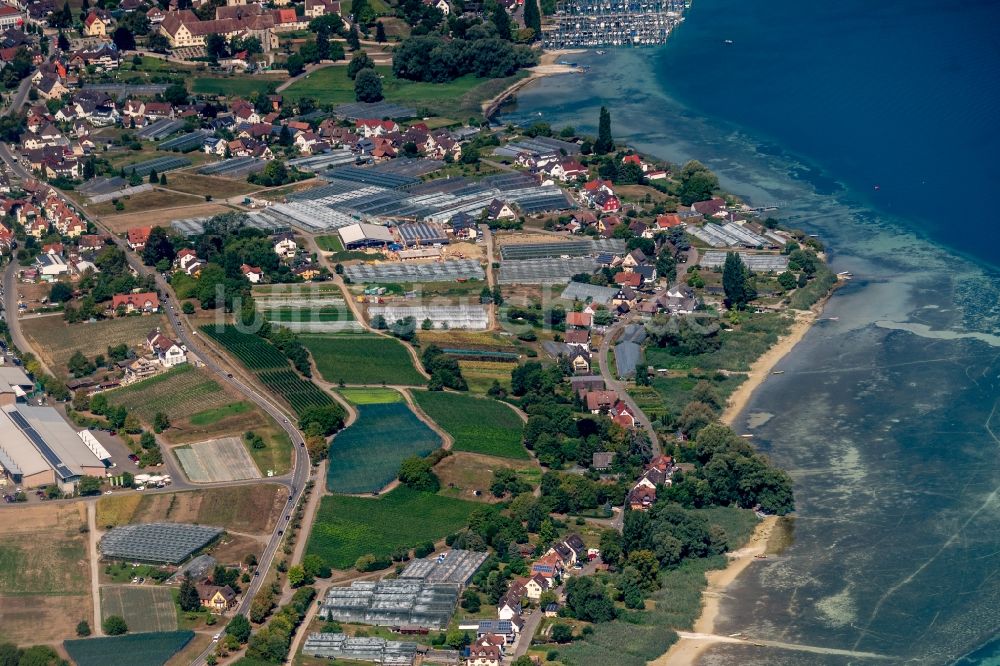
point(95, 582)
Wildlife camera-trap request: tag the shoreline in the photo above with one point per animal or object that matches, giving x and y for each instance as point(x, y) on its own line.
point(547, 66)
point(688, 650)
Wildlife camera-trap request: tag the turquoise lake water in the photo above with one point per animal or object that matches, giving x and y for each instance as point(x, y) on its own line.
point(888, 417)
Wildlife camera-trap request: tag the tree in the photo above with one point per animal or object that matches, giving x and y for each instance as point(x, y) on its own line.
point(787, 281)
point(296, 576)
point(82, 628)
point(416, 472)
point(158, 246)
point(188, 308)
point(587, 600)
point(696, 415)
point(560, 633)
point(368, 86)
point(605, 143)
point(697, 183)
point(239, 628)
point(153, 178)
point(89, 485)
point(176, 94)
point(737, 282)
point(380, 33)
point(188, 598)
point(523, 660)
point(60, 292)
point(359, 62)
point(114, 625)
point(323, 44)
point(532, 17)
point(215, 46)
point(501, 19)
point(363, 12)
point(123, 39)
point(471, 601)
point(353, 38)
point(295, 64)
point(160, 422)
point(62, 42)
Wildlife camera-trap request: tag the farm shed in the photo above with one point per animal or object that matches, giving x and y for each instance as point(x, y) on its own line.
point(360, 235)
point(159, 543)
point(22, 464)
point(422, 233)
point(57, 442)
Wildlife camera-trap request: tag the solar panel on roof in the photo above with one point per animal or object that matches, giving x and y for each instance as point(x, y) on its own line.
point(50, 456)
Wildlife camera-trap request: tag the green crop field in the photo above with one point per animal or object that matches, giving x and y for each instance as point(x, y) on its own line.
point(329, 243)
point(366, 455)
point(348, 527)
point(252, 350)
point(145, 608)
point(178, 393)
point(371, 396)
point(151, 649)
point(362, 359)
point(298, 392)
point(43, 563)
point(270, 366)
point(479, 425)
point(324, 313)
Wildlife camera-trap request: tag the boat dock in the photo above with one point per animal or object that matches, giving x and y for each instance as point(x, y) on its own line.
point(601, 23)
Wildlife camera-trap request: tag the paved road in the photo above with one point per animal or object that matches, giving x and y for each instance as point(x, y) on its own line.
point(612, 383)
point(218, 365)
point(10, 307)
point(532, 621)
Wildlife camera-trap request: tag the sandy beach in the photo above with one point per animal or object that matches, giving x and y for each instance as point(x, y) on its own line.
point(762, 367)
point(547, 66)
point(687, 650)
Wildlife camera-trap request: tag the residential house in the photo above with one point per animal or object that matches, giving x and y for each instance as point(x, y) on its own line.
point(602, 460)
point(510, 603)
point(91, 243)
point(713, 207)
point(168, 352)
point(137, 237)
point(146, 301)
point(464, 226)
point(579, 360)
point(549, 566)
point(482, 655)
point(623, 415)
point(97, 23)
point(316, 8)
point(579, 319)
point(284, 245)
point(6, 238)
point(139, 369)
point(216, 599)
point(599, 401)
point(440, 5)
point(10, 17)
point(500, 210)
point(508, 629)
point(641, 498)
point(630, 279)
point(252, 273)
point(185, 258)
point(634, 258)
point(536, 585)
point(50, 87)
point(577, 337)
point(369, 127)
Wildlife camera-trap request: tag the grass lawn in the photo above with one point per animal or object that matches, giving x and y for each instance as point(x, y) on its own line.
point(234, 86)
point(145, 608)
point(366, 455)
point(462, 474)
point(479, 425)
point(362, 359)
point(480, 375)
point(216, 414)
point(460, 97)
point(199, 185)
point(43, 563)
point(348, 527)
point(672, 394)
point(371, 396)
point(277, 455)
point(153, 200)
point(739, 347)
point(330, 243)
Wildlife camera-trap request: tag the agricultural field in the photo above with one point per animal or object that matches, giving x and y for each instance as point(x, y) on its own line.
point(178, 392)
point(224, 459)
point(270, 366)
point(44, 572)
point(485, 340)
point(462, 474)
point(150, 649)
point(348, 527)
point(145, 608)
point(306, 310)
point(242, 86)
point(252, 508)
point(362, 359)
point(365, 456)
point(480, 375)
point(371, 396)
point(200, 185)
point(55, 340)
point(479, 425)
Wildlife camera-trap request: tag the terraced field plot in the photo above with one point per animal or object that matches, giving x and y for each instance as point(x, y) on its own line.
point(308, 310)
point(362, 359)
point(348, 527)
point(179, 393)
point(480, 375)
point(270, 366)
point(224, 459)
point(151, 649)
point(365, 456)
point(56, 340)
point(144, 607)
point(479, 425)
